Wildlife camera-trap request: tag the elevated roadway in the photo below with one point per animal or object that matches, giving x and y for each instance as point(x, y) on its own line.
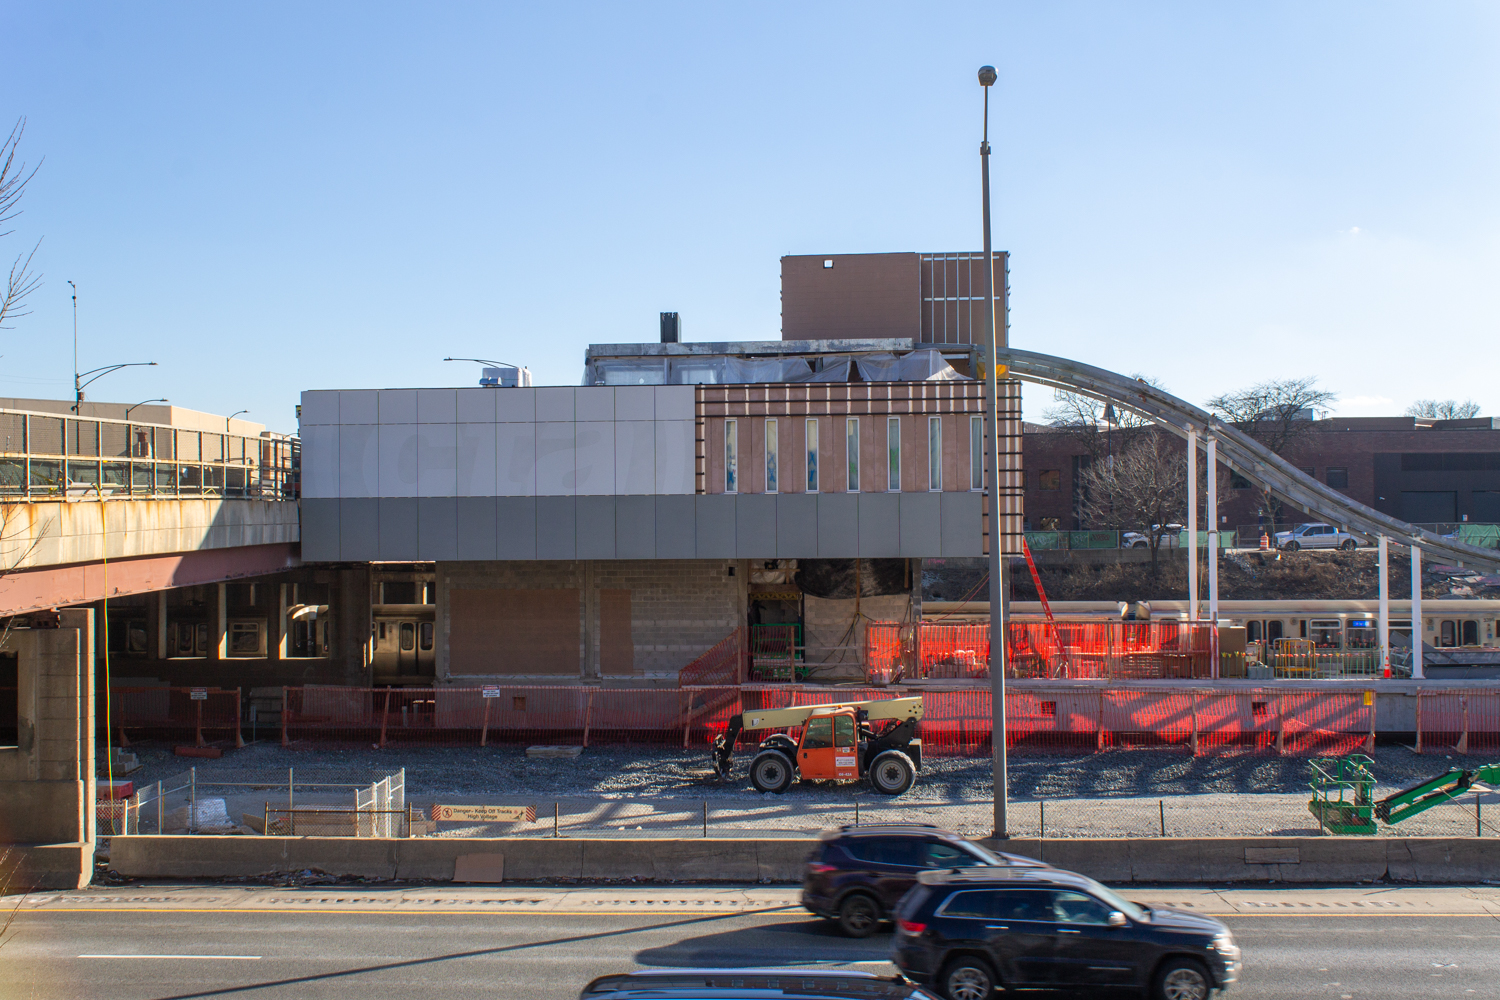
point(1239, 451)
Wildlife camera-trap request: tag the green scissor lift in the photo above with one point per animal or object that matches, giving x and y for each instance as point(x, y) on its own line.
point(1343, 793)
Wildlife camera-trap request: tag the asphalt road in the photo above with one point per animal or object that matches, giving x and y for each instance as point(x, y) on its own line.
point(543, 943)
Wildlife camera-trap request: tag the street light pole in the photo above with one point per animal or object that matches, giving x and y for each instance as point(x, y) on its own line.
point(78, 377)
point(143, 403)
point(231, 417)
point(77, 396)
point(992, 487)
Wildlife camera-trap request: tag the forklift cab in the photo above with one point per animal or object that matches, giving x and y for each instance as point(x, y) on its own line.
point(830, 746)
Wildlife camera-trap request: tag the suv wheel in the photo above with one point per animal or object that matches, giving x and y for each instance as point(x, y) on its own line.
point(892, 772)
point(771, 771)
point(1181, 979)
point(859, 915)
point(968, 979)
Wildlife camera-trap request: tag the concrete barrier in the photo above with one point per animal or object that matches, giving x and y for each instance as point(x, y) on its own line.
point(1147, 860)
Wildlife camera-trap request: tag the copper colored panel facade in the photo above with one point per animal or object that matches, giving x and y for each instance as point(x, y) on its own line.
point(861, 296)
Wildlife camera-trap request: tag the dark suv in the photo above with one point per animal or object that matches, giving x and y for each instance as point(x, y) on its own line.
point(857, 874)
point(695, 984)
point(969, 932)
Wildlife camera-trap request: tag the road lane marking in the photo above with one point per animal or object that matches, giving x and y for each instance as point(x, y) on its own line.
point(214, 958)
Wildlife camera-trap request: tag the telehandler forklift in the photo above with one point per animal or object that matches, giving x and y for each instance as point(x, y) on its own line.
point(838, 743)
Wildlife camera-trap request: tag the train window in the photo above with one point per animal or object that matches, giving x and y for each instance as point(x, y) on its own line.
point(135, 638)
point(427, 635)
point(1326, 633)
point(1273, 630)
point(1252, 631)
point(1470, 633)
point(1362, 634)
point(1447, 634)
point(203, 638)
point(1401, 626)
point(408, 636)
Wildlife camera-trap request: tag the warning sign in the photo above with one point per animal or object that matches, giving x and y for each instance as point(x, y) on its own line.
point(490, 691)
point(198, 694)
point(484, 814)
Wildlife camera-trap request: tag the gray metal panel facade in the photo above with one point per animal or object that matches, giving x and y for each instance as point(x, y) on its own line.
point(879, 525)
point(921, 524)
point(635, 527)
point(755, 525)
point(796, 525)
point(515, 534)
point(838, 525)
point(320, 529)
point(596, 527)
point(556, 528)
point(398, 528)
point(476, 527)
point(676, 527)
point(715, 527)
point(437, 527)
point(963, 529)
point(359, 528)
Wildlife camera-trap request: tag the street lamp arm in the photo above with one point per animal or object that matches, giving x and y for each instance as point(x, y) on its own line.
point(143, 403)
point(99, 373)
point(482, 361)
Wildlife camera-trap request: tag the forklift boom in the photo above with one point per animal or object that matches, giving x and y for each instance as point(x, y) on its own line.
point(776, 718)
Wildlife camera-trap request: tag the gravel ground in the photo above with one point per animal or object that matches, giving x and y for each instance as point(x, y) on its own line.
point(629, 772)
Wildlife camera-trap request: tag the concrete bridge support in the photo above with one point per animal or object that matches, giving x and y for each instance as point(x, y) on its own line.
point(47, 785)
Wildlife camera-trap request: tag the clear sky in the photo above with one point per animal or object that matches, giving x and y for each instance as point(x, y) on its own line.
point(266, 197)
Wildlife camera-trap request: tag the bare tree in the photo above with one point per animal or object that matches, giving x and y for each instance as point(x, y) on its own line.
point(1278, 414)
point(1097, 426)
point(1443, 409)
point(1147, 486)
point(22, 280)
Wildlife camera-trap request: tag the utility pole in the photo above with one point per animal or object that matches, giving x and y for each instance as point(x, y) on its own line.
point(77, 392)
point(987, 78)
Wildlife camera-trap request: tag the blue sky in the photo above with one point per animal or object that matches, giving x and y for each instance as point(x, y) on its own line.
point(273, 197)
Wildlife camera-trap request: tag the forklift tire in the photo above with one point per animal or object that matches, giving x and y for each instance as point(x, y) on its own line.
point(770, 771)
point(892, 772)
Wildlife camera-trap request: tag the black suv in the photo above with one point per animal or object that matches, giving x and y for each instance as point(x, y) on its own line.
point(692, 984)
point(857, 874)
point(969, 932)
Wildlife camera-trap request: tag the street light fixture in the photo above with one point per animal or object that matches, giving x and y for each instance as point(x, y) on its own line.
point(143, 403)
point(498, 364)
point(231, 417)
point(987, 78)
point(81, 379)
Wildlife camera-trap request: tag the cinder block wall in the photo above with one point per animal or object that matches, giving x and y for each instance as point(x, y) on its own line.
point(636, 621)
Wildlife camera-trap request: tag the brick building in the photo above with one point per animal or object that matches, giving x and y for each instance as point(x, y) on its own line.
point(1415, 469)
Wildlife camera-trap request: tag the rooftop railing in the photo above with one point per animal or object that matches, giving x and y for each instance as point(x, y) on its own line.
point(47, 456)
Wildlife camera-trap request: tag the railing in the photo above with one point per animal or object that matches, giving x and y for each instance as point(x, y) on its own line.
point(1483, 534)
point(1044, 541)
point(47, 456)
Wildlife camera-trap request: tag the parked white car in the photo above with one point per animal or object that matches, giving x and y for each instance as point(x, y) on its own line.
point(1170, 538)
point(1315, 536)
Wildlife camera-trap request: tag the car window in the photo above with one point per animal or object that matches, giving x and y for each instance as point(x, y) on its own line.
point(907, 852)
point(1022, 904)
point(940, 855)
point(1077, 908)
point(977, 904)
point(819, 734)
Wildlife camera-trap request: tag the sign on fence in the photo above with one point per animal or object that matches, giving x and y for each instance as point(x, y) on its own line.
point(484, 814)
point(198, 694)
point(490, 691)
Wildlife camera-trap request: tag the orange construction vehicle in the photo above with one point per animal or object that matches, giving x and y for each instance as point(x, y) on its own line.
point(838, 742)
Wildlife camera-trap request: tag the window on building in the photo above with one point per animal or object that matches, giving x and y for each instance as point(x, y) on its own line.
point(1049, 479)
point(812, 456)
point(976, 453)
point(1338, 478)
point(1311, 472)
point(851, 451)
point(893, 454)
point(1239, 482)
point(934, 453)
point(772, 454)
point(731, 456)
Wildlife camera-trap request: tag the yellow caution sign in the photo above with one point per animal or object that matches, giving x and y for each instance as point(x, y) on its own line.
point(484, 814)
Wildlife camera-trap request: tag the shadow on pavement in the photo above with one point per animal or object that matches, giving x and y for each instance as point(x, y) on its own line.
point(795, 942)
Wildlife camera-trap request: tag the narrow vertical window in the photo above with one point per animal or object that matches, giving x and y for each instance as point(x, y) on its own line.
point(731, 456)
point(934, 453)
point(772, 453)
point(851, 451)
point(976, 453)
point(893, 454)
point(812, 456)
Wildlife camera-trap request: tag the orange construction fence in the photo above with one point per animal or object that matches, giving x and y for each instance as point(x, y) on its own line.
point(152, 711)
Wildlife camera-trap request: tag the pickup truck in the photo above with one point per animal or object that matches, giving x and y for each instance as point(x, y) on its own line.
point(1315, 536)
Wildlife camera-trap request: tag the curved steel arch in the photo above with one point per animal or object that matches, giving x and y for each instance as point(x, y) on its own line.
point(1237, 449)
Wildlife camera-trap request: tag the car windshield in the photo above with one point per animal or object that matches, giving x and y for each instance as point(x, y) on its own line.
point(1118, 902)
